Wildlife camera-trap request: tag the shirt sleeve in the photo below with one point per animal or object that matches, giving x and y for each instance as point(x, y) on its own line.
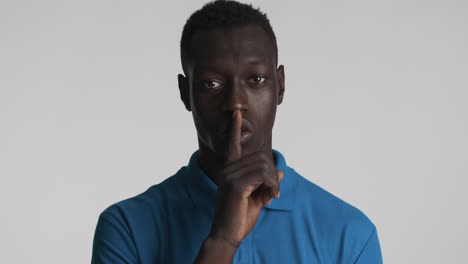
point(113, 241)
point(371, 253)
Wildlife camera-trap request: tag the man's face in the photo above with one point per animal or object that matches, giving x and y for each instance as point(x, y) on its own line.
point(232, 69)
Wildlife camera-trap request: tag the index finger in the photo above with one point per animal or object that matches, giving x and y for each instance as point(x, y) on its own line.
point(234, 148)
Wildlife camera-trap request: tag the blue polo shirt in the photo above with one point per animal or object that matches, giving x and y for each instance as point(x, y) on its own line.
point(169, 222)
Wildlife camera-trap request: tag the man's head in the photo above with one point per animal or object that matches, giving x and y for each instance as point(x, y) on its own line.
point(222, 15)
point(229, 56)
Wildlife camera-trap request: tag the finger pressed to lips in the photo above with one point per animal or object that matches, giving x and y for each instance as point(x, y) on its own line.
point(234, 152)
point(234, 149)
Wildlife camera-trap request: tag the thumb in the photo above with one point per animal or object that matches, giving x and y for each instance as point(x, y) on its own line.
point(280, 175)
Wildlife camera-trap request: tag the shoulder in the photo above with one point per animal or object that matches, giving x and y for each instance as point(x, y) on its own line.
point(155, 199)
point(332, 219)
point(316, 200)
point(129, 224)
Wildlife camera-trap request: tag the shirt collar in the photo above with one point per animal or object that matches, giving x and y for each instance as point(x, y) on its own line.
point(203, 191)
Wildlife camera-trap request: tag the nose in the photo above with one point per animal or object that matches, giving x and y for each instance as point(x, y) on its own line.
point(235, 98)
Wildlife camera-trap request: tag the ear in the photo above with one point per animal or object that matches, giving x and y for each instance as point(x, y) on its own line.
point(184, 90)
point(280, 78)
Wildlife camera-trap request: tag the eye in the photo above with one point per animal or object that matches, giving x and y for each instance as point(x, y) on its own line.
point(257, 79)
point(212, 84)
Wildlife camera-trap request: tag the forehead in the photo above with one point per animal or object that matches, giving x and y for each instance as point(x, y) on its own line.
point(239, 44)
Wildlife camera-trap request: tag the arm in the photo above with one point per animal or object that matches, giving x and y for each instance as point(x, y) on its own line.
point(112, 241)
point(371, 252)
point(246, 184)
point(216, 250)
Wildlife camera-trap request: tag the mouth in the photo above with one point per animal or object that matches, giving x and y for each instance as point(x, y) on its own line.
point(247, 130)
point(245, 136)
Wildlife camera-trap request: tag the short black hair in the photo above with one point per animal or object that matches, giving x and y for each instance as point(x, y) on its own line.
point(223, 14)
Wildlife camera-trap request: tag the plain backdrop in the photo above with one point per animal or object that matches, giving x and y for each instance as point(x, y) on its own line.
point(375, 111)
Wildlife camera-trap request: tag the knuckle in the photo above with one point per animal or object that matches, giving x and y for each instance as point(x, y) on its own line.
point(236, 186)
point(231, 184)
point(259, 155)
point(224, 179)
point(266, 176)
point(264, 165)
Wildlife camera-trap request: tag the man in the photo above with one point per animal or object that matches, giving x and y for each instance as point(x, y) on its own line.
point(225, 206)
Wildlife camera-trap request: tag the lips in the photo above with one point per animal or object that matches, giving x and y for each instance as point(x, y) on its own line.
point(245, 136)
point(247, 126)
point(247, 130)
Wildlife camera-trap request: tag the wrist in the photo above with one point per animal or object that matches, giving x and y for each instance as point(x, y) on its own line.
point(216, 250)
point(222, 241)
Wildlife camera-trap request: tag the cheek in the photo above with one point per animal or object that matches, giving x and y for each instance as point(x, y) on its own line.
point(266, 111)
point(199, 105)
point(204, 114)
point(270, 118)
point(267, 103)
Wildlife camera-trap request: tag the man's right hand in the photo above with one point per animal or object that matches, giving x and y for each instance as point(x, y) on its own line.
point(246, 184)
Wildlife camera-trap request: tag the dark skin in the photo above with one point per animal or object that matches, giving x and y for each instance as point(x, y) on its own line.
point(232, 75)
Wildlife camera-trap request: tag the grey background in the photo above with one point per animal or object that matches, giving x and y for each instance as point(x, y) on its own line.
point(374, 111)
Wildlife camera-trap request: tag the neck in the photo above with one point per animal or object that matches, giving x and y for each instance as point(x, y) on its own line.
point(211, 163)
